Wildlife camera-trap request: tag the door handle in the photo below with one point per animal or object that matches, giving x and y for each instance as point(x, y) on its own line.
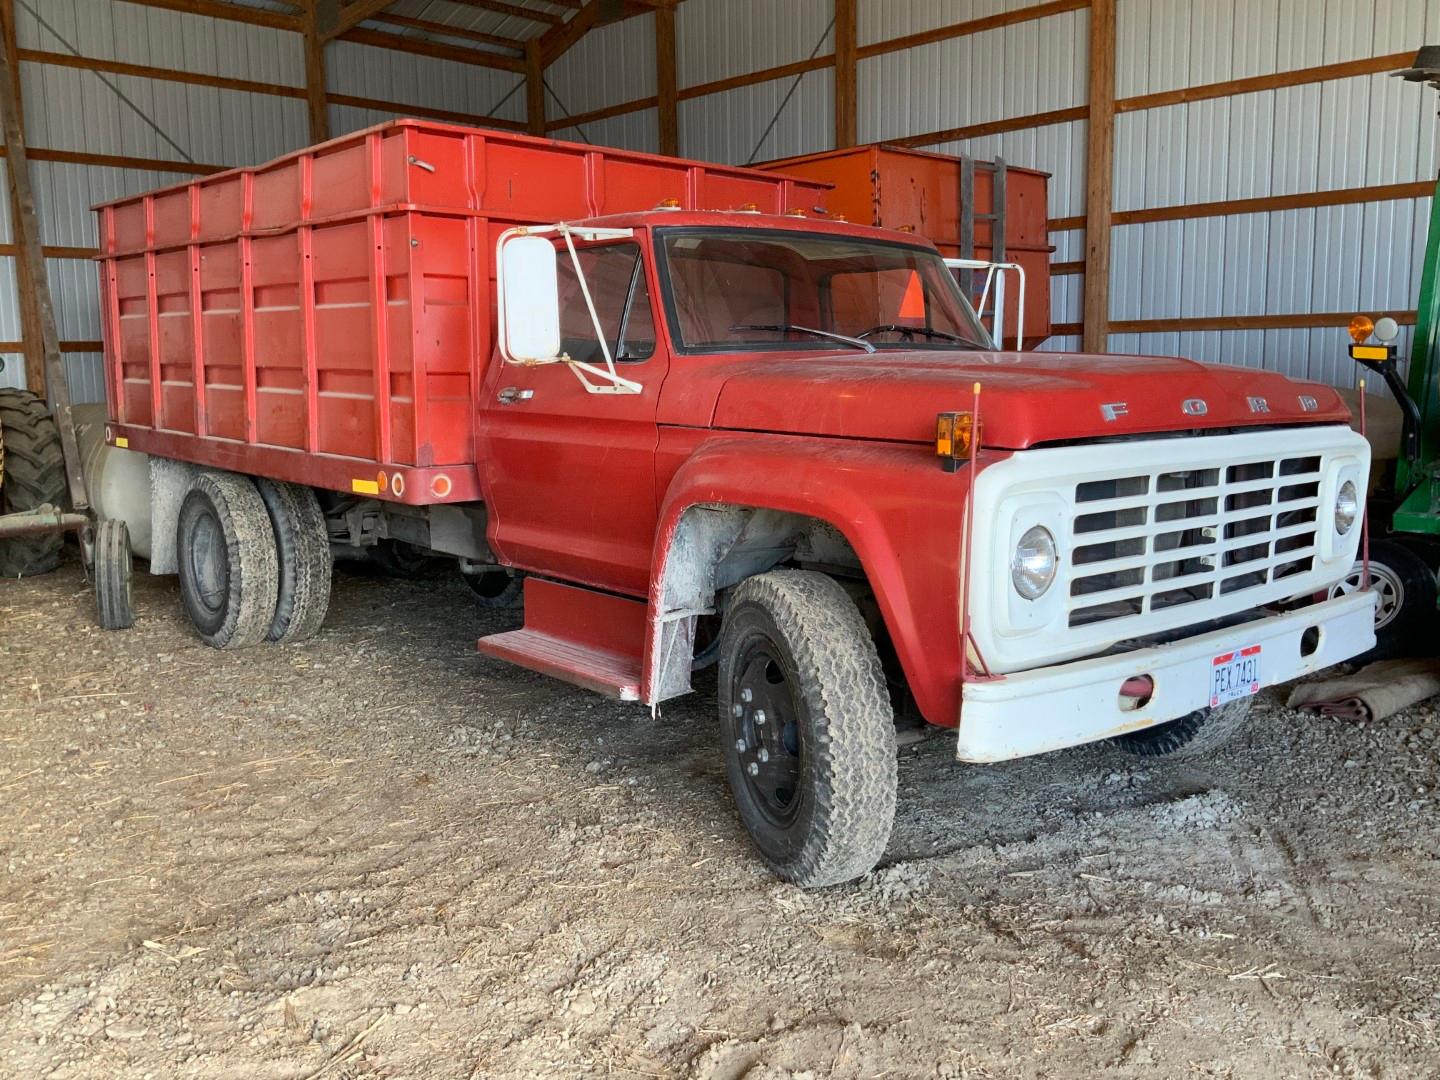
point(511, 394)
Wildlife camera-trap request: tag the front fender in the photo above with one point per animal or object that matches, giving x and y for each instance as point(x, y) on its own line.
point(899, 511)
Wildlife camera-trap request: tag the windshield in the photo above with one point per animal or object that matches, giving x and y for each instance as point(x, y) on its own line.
point(747, 289)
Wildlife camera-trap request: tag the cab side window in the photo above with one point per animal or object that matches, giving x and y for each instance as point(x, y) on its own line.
point(615, 274)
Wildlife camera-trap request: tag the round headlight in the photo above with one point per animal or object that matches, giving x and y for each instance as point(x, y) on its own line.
point(1032, 567)
point(1347, 507)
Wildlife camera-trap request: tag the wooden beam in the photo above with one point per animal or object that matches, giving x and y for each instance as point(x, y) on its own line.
point(994, 127)
point(142, 71)
point(121, 161)
point(30, 328)
point(575, 119)
point(26, 226)
point(444, 29)
point(1373, 65)
point(65, 346)
point(847, 106)
point(217, 9)
point(1099, 175)
point(439, 50)
point(350, 15)
point(549, 18)
point(668, 119)
point(972, 26)
point(318, 13)
point(403, 108)
point(53, 252)
point(1293, 321)
point(534, 88)
point(719, 86)
point(559, 40)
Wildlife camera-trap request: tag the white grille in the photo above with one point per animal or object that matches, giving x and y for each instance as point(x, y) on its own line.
point(1155, 535)
point(1148, 541)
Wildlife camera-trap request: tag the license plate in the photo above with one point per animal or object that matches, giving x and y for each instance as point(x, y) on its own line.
point(1234, 675)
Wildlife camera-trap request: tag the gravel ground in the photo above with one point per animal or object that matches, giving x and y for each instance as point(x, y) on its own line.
point(380, 855)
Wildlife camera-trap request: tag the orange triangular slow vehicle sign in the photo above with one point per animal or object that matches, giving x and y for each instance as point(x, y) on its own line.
point(912, 304)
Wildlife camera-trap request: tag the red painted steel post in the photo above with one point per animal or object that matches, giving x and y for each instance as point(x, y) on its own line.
point(197, 317)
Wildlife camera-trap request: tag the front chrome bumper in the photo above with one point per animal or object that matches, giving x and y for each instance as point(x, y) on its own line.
point(1031, 712)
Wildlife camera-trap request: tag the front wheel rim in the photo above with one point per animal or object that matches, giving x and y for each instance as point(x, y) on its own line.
point(767, 731)
point(1387, 585)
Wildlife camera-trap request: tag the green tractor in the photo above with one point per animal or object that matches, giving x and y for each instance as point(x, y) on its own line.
point(1404, 508)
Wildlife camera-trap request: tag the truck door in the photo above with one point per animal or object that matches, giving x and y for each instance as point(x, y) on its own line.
point(570, 475)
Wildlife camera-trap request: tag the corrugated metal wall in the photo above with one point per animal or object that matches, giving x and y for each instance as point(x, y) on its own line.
point(100, 113)
point(1344, 133)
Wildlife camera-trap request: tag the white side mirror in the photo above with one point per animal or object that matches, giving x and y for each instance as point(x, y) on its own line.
point(529, 301)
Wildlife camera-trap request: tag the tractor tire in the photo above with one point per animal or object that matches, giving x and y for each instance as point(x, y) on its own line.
point(302, 547)
point(807, 727)
point(1186, 738)
point(1405, 618)
point(32, 475)
point(229, 570)
point(497, 590)
point(113, 602)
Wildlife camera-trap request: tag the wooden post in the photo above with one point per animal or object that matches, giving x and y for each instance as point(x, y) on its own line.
point(318, 15)
point(847, 106)
point(665, 91)
point(534, 87)
point(26, 225)
point(30, 332)
point(1099, 176)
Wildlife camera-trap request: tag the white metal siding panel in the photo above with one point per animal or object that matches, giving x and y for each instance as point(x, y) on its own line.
point(718, 39)
point(407, 79)
point(608, 66)
point(69, 109)
point(730, 127)
point(882, 20)
point(133, 34)
point(632, 131)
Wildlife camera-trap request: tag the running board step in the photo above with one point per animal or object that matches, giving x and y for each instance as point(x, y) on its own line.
point(581, 636)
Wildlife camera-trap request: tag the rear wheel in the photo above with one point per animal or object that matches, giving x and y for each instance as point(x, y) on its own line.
point(496, 589)
point(1193, 735)
point(305, 569)
point(113, 602)
point(809, 734)
point(229, 575)
point(1404, 586)
point(400, 559)
point(32, 475)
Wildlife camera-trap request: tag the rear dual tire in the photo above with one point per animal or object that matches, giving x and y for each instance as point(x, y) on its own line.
point(254, 560)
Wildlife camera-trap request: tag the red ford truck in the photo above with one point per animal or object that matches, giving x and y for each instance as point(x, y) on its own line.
point(706, 424)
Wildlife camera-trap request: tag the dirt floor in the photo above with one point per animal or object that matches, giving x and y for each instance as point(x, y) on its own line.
point(379, 855)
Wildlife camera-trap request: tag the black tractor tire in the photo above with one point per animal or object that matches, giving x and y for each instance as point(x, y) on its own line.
point(114, 604)
point(1186, 738)
point(32, 475)
point(496, 590)
point(1405, 618)
point(399, 559)
point(302, 548)
point(229, 570)
point(808, 732)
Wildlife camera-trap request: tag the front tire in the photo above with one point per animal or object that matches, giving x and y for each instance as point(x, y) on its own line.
point(229, 573)
point(1405, 616)
point(807, 727)
point(1194, 735)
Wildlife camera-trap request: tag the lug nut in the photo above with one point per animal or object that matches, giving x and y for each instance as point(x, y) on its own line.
point(746, 694)
point(753, 769)
point(763, 755)
point(759, 716)
point(737, 709)
point(740, 745)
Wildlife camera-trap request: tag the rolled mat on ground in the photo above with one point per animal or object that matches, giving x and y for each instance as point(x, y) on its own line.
point(1372, 693)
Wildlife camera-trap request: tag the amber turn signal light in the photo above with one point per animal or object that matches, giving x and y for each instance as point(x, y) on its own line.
point(954, 436)
point(1361, 327)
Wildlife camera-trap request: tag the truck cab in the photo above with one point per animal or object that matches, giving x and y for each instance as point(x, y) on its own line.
point(736, 433)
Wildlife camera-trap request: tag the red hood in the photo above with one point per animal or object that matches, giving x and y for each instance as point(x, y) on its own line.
point(1026, 398)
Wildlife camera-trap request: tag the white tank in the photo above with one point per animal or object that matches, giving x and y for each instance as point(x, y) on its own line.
point(118, 481)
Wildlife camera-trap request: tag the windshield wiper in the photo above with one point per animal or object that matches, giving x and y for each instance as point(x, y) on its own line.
point(910, 331)
point(782, 328)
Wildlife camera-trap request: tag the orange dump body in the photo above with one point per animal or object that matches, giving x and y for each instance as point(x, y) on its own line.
point(334, 308)
point(917, 191)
